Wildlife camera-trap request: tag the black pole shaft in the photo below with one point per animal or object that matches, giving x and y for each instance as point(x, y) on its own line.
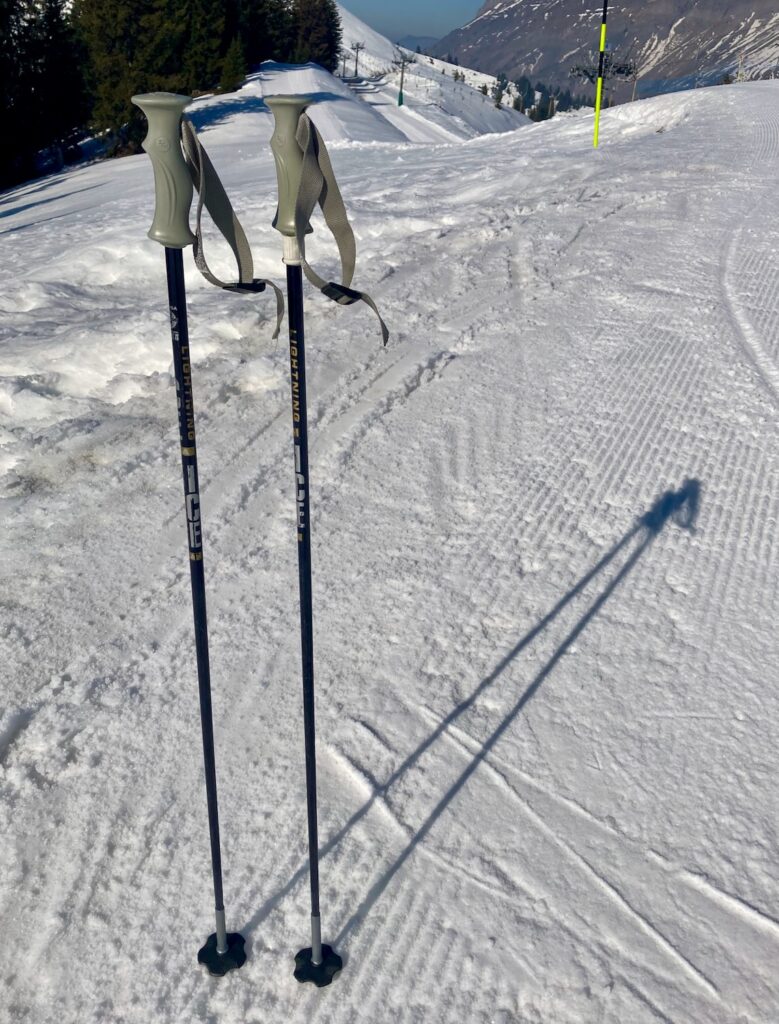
point(297, 356)
point(183, 371)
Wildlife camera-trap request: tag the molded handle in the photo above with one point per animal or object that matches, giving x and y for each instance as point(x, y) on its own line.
point(289, 157)
point(172, 182)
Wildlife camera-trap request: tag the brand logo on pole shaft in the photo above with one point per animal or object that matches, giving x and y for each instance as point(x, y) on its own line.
point(184, 386)
point(193, 510)
point(187, 431)
point(295, 372)
point(300, 489)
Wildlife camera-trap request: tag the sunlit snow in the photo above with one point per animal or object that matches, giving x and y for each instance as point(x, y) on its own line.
point(545, 558)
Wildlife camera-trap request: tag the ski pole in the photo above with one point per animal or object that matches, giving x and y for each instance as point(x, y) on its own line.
point(601, 62)
point(222, 952)
point(318, 963)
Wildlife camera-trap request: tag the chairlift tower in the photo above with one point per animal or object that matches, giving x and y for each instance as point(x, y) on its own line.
point(402, 61)
point(624, 70)
point(357, 49)
point(602, 68)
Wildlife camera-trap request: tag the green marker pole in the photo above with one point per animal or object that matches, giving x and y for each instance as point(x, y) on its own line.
point(601, 61)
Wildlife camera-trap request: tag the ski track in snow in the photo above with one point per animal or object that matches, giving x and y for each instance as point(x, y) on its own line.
point(547, 736)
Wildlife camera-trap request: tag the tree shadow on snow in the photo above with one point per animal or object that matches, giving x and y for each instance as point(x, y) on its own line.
point(44, 202)
point(680, 507)
point(24, 190)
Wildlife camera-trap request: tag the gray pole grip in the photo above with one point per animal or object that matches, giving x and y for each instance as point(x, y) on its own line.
point(288, 155)
point(172, 180)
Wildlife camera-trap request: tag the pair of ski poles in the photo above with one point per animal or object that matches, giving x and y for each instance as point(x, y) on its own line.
point(225, 951)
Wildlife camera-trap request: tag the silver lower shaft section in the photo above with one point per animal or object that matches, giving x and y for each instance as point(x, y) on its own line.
point(316, 939)
point(221, 933)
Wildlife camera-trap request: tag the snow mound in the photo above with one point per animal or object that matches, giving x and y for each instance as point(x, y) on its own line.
point(339, 113)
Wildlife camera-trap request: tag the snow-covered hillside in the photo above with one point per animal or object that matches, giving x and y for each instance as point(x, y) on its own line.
point(367, 111)
point(546, 564)
point(379, 51)
point(433, 100)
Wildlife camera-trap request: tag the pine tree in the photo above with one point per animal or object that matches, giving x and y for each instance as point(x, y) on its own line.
point(526, 91)
point(145, 45)
point(203, 52)
point(41, 82)
point(318, 32)
point(232, 15)
point(234, 67)
point(541, 110)
point(161, 42)
point(56, 61)
point(13, 154)
point(267, 30)
point(132, 46)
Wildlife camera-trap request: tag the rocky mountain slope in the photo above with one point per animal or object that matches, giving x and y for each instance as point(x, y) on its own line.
point(674, 42)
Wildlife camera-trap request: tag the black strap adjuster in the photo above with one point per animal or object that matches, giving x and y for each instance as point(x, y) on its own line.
point(247, 286)
point(341, 294)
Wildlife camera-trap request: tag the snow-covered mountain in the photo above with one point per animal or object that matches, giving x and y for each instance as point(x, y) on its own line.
point(673, 42)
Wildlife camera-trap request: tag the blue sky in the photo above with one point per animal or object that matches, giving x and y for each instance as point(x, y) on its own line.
point(397, 18)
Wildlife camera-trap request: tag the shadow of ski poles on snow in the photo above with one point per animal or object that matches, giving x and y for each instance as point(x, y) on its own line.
point(680, 507)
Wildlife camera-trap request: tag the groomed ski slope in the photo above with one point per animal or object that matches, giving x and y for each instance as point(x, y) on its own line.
point(547, 694)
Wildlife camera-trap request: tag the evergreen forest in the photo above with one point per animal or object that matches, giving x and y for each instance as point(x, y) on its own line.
point(69, 67)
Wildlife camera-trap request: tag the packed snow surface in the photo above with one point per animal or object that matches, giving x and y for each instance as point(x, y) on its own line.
point(545, 556)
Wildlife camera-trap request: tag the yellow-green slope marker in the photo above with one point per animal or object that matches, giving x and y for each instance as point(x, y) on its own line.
point(601, 60)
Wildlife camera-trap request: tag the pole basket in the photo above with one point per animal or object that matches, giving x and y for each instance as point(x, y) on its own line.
point(321, 974)
point(219, 964)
